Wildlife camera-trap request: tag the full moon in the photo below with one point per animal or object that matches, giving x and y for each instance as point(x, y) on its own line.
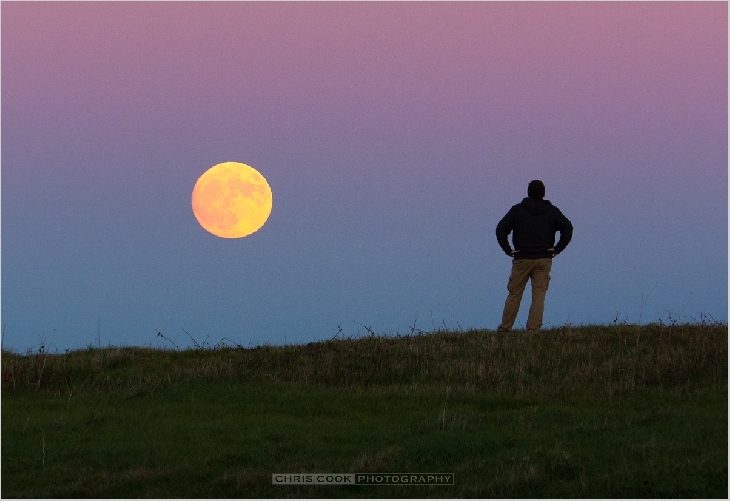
point(231, 200)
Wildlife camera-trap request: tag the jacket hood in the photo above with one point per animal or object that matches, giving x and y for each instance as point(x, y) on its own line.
point(537, 207)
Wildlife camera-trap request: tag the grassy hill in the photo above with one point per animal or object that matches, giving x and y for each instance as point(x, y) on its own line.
point(590, 411)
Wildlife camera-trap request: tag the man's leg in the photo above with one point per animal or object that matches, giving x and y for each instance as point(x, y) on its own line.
point(540, 279)
point(516, 286)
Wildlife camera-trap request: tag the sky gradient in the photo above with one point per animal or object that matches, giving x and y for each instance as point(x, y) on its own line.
point(394, 137)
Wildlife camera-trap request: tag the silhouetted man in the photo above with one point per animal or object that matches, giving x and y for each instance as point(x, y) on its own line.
point(533, 223)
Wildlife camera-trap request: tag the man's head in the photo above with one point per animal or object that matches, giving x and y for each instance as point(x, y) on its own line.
point(536, 190)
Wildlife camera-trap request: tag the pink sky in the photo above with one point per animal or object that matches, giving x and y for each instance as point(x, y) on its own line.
point(394, 135)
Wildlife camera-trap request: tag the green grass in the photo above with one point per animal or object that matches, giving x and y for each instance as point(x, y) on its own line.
point(593, 411)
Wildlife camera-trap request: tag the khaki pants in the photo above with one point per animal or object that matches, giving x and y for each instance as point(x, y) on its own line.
point(538, 271)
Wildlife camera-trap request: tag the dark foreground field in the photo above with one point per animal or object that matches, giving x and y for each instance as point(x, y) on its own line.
point(595, 411)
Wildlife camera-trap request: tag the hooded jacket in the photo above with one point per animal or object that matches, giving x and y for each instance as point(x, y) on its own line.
point(534, 223)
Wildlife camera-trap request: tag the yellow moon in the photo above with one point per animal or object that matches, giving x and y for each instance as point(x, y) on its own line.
point(231, 200)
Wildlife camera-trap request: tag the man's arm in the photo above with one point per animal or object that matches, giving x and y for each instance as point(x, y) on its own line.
point(504, 227)
point(565, 227)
